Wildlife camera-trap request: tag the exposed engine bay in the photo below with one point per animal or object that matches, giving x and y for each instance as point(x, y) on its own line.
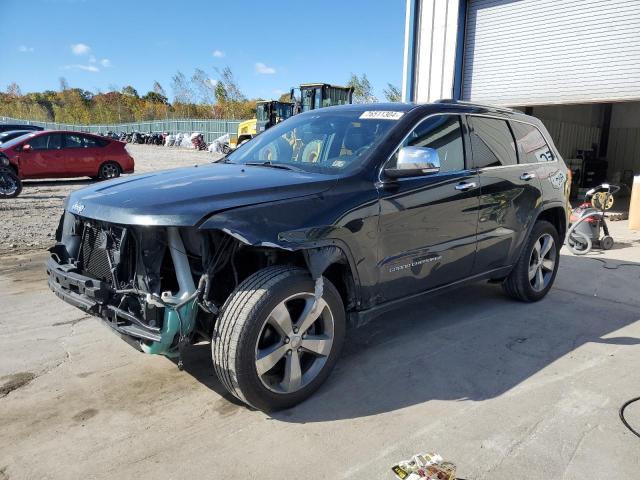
point(162, 286)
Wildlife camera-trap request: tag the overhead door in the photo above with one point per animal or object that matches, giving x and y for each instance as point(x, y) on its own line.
point(536, 52)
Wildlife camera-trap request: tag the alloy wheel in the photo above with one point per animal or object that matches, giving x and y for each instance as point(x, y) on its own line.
point(8, 185)
point(542, 262)
point(294, 343)
point(109, 170)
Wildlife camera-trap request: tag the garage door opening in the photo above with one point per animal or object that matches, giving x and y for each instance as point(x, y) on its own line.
point(599, 141)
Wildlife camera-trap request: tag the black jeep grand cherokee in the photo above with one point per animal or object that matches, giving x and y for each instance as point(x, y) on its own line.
point(330, 218)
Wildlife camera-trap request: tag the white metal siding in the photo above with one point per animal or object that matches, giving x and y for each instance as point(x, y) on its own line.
point(536, 52)
point(438, 29)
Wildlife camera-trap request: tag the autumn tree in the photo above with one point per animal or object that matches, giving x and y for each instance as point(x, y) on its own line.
point(362, 89)
point(13, 89)
point(392, 93)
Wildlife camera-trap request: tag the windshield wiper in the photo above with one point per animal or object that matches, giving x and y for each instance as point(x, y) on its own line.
point(270, 164)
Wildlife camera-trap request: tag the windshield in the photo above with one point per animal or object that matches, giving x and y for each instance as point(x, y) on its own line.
point(261, 112)
point(17, 140)
point(328, 142)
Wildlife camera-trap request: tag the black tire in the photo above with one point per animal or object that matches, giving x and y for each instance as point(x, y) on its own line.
point(606, 242)
point(243, 320)
point(12, 183)
point(109, 170)
point(518, 284)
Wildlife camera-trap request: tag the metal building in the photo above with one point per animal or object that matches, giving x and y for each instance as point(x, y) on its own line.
point(575, 64)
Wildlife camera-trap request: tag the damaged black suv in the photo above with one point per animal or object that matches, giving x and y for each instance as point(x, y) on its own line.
point(325, 220)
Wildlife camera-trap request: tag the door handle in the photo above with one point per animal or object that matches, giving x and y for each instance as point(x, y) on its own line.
point(526, 176)
point(464, 186)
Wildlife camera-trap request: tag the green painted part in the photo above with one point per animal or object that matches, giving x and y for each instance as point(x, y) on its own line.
point(170, 328)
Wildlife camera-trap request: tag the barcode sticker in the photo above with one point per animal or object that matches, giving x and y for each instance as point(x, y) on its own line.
point(381, 115)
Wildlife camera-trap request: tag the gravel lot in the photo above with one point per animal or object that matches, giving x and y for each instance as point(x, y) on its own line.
point(29, 222)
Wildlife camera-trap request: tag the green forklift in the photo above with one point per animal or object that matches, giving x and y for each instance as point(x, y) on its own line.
point(319, 95)
point(271, 112)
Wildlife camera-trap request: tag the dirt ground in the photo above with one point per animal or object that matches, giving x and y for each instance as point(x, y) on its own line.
point(29, 222)
point(504, 390)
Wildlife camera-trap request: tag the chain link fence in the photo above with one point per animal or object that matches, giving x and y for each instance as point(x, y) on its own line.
point(211, 129)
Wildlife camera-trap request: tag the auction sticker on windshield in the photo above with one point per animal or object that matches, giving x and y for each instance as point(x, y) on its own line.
point(381, 115)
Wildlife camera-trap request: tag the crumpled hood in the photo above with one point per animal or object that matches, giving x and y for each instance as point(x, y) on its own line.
point(183, 197)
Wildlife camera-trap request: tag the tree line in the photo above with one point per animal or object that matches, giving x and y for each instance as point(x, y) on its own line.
point(198, 96)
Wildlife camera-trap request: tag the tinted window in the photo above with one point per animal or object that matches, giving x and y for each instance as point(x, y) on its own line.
point(55, 141)
point(73, 141)
point(46, 142)
point(532, 147)
point(443, 133)
point(39, 142)
point(491, 142)
point(93, 142)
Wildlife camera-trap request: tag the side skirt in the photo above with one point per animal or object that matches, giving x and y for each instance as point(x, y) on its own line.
point(362, 317)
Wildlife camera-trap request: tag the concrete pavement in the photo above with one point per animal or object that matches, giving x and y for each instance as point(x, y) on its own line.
point(504, 390)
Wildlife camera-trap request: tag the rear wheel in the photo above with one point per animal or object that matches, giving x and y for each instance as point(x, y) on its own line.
point(533, 275)
point(275, 343)
point(109, 170)
point(606, 242)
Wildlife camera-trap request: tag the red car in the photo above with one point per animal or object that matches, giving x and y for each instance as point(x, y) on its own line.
point(63, 154)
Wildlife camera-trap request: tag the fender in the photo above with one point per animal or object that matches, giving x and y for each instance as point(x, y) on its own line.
point(545, 206)
point(321, 245)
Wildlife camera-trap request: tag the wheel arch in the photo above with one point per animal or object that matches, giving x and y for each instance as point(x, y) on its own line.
point(556, 215)
point(332, 262)
point(328, 258)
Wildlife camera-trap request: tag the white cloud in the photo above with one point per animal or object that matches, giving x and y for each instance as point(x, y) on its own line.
point(105, 62)
point(263, 69)
point(218, 53)
point(86, 68)
point(80, 48)
point(25, 49)
point(212, 82)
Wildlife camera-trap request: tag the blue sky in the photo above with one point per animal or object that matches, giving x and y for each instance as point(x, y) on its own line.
point(269, 45)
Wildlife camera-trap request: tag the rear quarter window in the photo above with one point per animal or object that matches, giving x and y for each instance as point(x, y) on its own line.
point(532, 147)
point(95, 142)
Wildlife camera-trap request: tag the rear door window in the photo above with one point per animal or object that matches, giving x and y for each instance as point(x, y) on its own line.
point(492, 142)
point(532, 147)
point(73, 140)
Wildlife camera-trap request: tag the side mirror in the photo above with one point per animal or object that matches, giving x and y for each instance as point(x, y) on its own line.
point(26, 148)
point(415, 161)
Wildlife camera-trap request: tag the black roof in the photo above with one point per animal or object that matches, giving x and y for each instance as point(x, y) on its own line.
point(437, 106)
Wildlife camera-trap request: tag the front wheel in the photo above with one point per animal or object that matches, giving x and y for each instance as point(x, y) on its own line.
point(10, 184)
point(533, 275)
point(275, 343)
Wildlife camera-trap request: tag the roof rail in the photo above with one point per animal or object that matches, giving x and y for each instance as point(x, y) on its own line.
point(474, 104)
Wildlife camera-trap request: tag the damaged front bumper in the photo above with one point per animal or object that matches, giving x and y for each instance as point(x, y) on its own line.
point(94, 296)
point(85, 273)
